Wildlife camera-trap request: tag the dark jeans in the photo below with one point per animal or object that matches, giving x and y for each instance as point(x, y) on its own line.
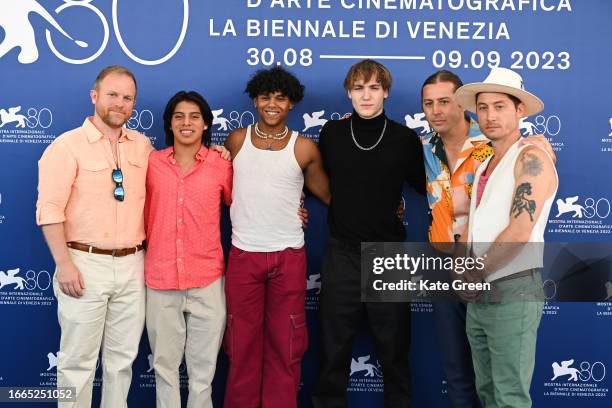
point(342, 313)
point(455, 353)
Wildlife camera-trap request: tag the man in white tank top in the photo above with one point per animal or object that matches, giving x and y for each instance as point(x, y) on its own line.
point(265, 282)
point(511, 199)
point(453, 151)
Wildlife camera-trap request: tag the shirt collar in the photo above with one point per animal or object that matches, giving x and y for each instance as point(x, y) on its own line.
point(438, 148)
point(94, 134)
point(200, 155)
point(435, 138)
point(475, 141)
point(475, 137)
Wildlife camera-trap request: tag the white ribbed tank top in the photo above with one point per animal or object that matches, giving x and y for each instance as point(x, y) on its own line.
point(492, 216)
point(265, 198)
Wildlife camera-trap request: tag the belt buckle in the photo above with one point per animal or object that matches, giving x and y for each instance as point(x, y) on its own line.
point(113, 253)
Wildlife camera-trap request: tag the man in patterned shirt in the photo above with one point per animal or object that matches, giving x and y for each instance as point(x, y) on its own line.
point(453, 151)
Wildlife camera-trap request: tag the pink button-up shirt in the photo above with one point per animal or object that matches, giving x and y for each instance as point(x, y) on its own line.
point(75, 187)
point(182, 220)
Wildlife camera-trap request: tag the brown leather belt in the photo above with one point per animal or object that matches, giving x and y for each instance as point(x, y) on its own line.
point(113, 252)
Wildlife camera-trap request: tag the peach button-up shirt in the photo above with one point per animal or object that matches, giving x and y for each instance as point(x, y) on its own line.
point(182, 217)
point(75, 187)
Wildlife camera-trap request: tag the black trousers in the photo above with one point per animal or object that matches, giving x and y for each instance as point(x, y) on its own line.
point(342, 313)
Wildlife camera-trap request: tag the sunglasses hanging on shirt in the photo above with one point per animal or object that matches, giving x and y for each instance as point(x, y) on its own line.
point(117, 176)
point(119, 192)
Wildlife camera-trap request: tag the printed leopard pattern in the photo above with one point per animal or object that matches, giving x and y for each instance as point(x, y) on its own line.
point(482, 152)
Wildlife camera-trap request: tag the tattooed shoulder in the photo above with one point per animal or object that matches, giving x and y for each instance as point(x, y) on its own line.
point(531, 165)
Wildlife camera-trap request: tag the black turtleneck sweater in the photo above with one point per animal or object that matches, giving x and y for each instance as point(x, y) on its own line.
point(366, 186)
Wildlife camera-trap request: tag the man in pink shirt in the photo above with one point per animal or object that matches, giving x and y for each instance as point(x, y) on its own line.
point(186, 183)
point(90, 206)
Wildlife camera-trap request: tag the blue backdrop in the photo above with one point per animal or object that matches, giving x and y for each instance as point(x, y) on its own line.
point(50, 52)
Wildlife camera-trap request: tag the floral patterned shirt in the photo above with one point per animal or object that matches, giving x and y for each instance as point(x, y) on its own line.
point(449, 193)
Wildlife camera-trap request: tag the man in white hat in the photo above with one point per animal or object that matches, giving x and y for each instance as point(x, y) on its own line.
point(453, 151)
point(511, 199)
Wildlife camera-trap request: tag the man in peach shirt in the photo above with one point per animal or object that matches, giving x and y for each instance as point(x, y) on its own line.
point(90, 206)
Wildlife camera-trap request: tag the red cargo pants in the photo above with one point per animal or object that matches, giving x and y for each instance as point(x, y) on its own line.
point(266, 333)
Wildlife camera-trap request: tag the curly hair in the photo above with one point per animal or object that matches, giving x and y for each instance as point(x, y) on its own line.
point(199, 100)
point(276, 79)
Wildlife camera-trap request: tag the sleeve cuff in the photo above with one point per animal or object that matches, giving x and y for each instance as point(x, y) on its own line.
point(49, 217)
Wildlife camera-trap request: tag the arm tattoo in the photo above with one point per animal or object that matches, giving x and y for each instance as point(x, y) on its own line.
point(520, 203)
point(531, 165)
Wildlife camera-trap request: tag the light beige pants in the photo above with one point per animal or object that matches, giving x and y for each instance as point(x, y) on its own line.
point(191, 323)
point(110, 313)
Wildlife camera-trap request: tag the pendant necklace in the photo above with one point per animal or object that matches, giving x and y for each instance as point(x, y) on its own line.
point(270, 137)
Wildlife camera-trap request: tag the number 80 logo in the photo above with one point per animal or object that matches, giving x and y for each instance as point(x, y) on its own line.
point(86, 4)
point(37, 281)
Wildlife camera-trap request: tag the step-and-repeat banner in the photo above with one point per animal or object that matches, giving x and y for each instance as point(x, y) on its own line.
point(50, 52)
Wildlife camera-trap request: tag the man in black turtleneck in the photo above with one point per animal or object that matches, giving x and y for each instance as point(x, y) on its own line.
point(367, 157)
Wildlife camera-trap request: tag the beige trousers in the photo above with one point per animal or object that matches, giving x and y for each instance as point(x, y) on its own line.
point(110, 313)
point(191, 323)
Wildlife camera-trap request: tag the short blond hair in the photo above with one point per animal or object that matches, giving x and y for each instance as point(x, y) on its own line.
point(365, 70)
point(114, 69)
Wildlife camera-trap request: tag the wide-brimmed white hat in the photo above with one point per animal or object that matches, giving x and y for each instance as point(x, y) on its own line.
point(501, 80)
